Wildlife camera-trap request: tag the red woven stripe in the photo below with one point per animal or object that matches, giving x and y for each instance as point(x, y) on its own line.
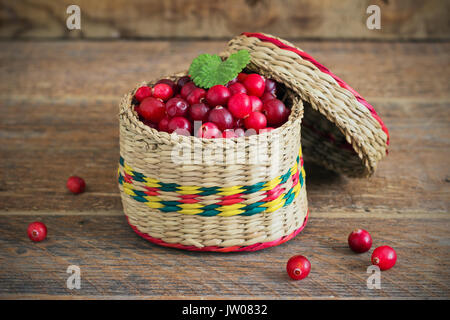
point(254, 247)
point(322, 68)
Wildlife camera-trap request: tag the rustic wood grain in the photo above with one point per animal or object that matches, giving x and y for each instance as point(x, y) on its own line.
point(324, 19)
point(117, 262)
point(62, 121)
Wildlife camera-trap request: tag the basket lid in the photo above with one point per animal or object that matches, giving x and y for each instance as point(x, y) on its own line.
point(340, 129)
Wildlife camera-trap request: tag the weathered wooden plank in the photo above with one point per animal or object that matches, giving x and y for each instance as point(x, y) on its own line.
point(68, 71)
point(346, 19)
point(116, 262)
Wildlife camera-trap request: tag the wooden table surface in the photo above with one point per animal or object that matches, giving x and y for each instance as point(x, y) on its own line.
point(59, 105)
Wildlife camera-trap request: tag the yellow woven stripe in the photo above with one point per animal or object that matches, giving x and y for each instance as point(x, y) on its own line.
point(230, 213)
point(190, 211)
point(189, 191)
point(154, 205)
point(190, 205)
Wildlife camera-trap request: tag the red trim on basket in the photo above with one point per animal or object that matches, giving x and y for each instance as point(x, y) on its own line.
point(253, 247)
point(322, 68)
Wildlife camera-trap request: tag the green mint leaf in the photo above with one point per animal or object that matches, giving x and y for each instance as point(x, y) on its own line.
point(209, 70)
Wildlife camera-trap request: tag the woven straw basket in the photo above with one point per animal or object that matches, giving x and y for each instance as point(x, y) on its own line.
point(248, 193)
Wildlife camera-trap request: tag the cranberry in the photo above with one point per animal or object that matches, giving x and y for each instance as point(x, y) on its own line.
point(196, 96)
point(267, 96)
point(152, 109)
point(360, 241)
point(162, 91)
point(229, 133)
point(163, 125)
point(75, 184)
point(255, 120)
point(239, 123)
point(384, 257)
point(37, 231)
point(232, 81)
point(177, 107)
point(271, 86)
point(218, 95)
point(142, 93)
point(239, 105)
point(255, 84)
point(241, 77)
point(187, 89)
point(170, 83)
point(237, 88)
point(221, 117)
point(180, 125)
point(298, 267)
point(239, 132)
point(150, 124)
point(256, 103)
point(209, 131)
point(182, 81)
point(199, 112)
point(276, 112)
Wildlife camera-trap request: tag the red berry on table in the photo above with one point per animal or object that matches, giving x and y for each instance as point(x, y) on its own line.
point(75, 184)
point(239, 105)
point(176, 107)
point(209, 131)
point(254, 84)
point(180, 125)
point(298, 267)
point(218, 95)
point(187, 89)
point(162, 91)
point(360, 241)
point(221, 117)
point(237, 88)
point(241, 77)
point(170, 83)
point(199, 112)
point(142, 93)
point(271, 86)
point(163, 125)
point(229, 133)
point(276, 112)
point(152, 109)
point(267, 96)
point(196, 96)
point(37, 231)
point(255, 120)
point(384, 257)
point(256, 103)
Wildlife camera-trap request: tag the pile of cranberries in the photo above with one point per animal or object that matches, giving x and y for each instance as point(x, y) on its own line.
point(247, 105)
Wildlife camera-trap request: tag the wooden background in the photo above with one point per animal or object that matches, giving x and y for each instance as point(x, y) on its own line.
point(58, 117)
point(211, 19)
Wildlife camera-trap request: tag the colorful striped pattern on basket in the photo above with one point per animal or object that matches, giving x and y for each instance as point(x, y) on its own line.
point(230, 200)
